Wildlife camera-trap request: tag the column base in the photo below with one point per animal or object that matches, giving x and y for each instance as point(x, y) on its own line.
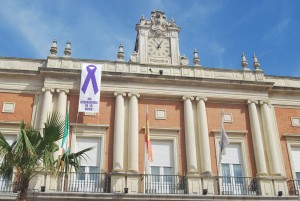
point(133, 183)
point(117, 183)
point(208, 185)
point(270, 186)
point(194, 185)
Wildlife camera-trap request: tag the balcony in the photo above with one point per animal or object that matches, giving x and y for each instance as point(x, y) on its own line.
point(164, 184)
point(85, 182)
point(238, 186)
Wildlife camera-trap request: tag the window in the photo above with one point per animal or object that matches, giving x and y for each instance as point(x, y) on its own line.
point(162, 171)
point(88, 178)
point(5, 185)
point(232, 170)
point(296, 163)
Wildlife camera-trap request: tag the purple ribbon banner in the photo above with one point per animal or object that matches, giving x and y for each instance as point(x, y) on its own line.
point(91, 69)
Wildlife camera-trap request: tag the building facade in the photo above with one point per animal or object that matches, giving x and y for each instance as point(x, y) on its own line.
point(185, 103)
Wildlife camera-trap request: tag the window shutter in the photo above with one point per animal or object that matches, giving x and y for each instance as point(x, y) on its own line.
point(162, 153)
point(92, 157)
point(296, 158)
point(233, 154)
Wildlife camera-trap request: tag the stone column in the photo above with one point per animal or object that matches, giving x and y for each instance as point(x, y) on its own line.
point(61, 106)
point(47, 106)
point(190, 144)
point(258, 147)
point(133, 134)
point(203, 136)
point(118, 155)
point(270, 141)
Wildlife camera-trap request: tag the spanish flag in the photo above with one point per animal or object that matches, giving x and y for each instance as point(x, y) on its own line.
point(147, 138)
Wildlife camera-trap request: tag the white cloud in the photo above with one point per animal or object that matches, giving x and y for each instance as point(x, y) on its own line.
point(26, 21)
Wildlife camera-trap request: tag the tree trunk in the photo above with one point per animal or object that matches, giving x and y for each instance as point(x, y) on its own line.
point(24, 188)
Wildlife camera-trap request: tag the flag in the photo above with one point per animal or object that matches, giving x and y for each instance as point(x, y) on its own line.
point(89, 95)
point(148, 145)
point(66, 137)
point(224, 139)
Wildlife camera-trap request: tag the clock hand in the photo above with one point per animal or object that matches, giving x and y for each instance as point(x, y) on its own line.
point(159, 45)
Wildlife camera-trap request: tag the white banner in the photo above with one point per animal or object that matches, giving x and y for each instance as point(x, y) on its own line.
point(89, 98)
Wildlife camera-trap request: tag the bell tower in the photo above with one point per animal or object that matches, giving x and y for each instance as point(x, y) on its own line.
point(157, 41)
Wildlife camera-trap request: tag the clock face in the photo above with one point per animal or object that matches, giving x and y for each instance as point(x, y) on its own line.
point(159, 47)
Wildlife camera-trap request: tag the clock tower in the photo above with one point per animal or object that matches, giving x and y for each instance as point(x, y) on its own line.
point(157, 41)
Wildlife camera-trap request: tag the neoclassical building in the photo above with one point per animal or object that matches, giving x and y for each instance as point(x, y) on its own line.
point(185, 101)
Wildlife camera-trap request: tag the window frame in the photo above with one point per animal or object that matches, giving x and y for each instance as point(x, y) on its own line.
point(168, 134)
point(91, 130)
point(292, 140)
point(237, 137)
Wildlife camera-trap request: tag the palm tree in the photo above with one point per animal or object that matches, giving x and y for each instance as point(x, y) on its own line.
point(33, 152)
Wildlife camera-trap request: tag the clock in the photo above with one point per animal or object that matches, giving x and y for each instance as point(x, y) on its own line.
point(159, 47)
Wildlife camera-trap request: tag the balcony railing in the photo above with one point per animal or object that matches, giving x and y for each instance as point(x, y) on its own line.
point(238, 186)
point(86, 182)
point(294, 187)
point(164, 184)
point(6, 185)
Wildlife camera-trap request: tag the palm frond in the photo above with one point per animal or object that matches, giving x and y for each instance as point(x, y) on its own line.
point(54, 128)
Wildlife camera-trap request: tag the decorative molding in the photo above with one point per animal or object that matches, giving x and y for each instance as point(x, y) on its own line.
point(133, 94)
point(231, 133)
point(119, 93)
point(8, 107)
point(90, 113)
point(86, 129)
point(292, 137)
point(47, 89)
point(188, 97)
point(201, 98)
point(160, 114)
point(10, 127)
point(63, 90)
point(295, 121)
point(252, 101)
point(160, 130)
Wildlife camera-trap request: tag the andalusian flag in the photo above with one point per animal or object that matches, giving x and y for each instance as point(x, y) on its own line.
point(66, 137)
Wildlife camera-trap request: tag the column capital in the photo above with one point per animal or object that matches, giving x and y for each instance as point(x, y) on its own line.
point(198, 98)
point(47, 89)
point(63, 90)
point(187, 97)
point(119, 93)
point(133, 94)
point(262, 102)
point(252, 101)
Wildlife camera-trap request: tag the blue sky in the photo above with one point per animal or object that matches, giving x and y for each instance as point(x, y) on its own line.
point(219, 29)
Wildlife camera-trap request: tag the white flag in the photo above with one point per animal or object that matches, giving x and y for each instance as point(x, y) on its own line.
point(89, 98)
point(224, 139)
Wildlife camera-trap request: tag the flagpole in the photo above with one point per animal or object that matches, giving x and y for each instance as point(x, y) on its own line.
point(220, 152)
